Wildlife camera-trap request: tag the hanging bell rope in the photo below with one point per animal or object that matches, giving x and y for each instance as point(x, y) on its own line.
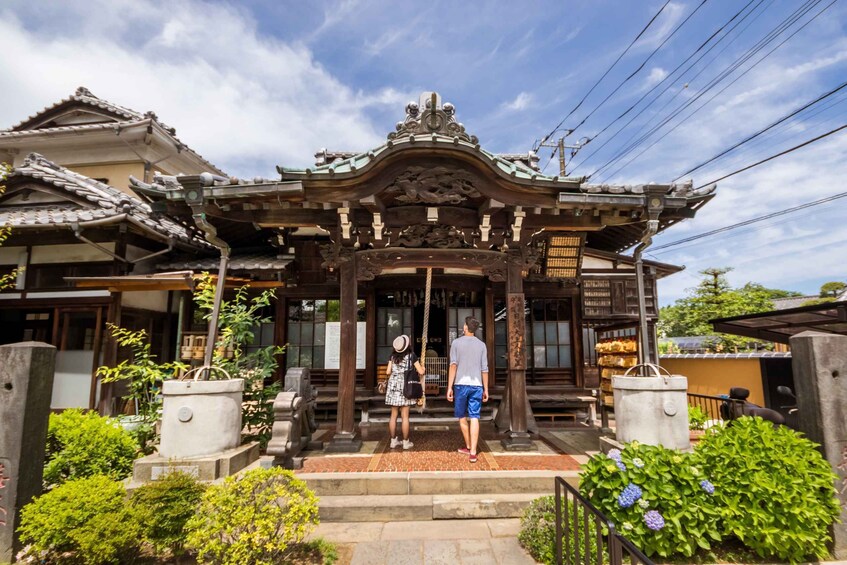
point(427, 299)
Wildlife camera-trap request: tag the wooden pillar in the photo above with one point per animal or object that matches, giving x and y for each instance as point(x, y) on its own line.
point(371, 366)
point(519, 412)
point(488, 333)
point(576, 340)
point(110, 354)
point(345, 439)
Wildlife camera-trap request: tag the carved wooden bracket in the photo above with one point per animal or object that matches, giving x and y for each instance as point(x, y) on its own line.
point(335, 255)
point(370, 263)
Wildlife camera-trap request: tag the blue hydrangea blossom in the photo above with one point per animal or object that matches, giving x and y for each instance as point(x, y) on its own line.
point(654, 520)
point(707, 486)
point(629, 495)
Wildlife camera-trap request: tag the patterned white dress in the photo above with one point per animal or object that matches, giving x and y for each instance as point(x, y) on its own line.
point(394, 389)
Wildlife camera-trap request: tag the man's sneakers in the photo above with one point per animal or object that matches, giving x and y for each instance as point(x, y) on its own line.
point(395, 442)
point(407, 444)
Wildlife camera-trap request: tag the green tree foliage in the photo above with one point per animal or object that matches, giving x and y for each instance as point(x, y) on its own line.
point(832, 289)
point(144, 376)
point(82, 521)
point(238, 321)
point(715, 298)
point(86, 444)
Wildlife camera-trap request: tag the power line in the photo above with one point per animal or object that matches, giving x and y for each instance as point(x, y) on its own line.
point(641, 66)
point(773, 34)
point(780, 154)
point(637, 37)
point(753, 220)
point(761, 131)
point(667, 78)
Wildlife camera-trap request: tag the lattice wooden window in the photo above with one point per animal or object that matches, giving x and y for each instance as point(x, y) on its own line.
point(562, 256)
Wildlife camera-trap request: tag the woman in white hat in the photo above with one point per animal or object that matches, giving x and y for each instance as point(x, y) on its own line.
point(402, 359)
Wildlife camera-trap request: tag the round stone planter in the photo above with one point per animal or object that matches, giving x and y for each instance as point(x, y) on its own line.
point(200, 418)
point(652, 410)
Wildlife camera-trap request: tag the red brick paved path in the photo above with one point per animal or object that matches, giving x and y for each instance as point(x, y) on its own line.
point(435, 450)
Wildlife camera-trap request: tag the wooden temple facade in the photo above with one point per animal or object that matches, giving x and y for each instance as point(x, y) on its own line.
point(347, 243)
point(507, 244)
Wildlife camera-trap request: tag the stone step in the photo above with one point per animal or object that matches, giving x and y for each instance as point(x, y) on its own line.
point(412, 507)
point(435, 482)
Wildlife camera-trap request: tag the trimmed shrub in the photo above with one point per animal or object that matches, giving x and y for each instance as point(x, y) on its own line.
point(697, 418)
point(82, 521)
point(253, 518)
point(538, 534)
point(774, 489)
point(86, 444)
point(660, 499)
point(164, 506)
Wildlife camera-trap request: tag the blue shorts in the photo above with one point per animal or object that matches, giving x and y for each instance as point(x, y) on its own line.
point(467, 401)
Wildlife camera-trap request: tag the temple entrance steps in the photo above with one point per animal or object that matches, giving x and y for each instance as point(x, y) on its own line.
point(429, 495)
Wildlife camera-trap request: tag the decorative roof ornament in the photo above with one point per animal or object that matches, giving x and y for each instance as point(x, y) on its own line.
point(435, 118)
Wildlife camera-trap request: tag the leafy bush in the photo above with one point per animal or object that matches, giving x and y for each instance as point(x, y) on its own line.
point(658, 498)
point(164, 506)
point(84, 520)
point(538, 533)
point(238, 321)
point(697, 418)
point(86, 444)
point(144, 376)
point(254, 518)
point(774, 489)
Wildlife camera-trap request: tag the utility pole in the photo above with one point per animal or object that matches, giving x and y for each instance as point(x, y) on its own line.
point(560, 147)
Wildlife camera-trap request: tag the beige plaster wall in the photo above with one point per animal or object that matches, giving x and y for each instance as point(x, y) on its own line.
point(717, 376)
point(117, 174)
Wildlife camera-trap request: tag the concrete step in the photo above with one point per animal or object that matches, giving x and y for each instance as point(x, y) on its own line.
point(436, 483)
point(414, 507)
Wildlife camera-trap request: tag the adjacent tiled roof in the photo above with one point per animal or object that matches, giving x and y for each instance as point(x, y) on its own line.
point(124, 116)
point(791, 302)
point(750, 355)
point(106, 202)
point(84, 96)
point(254, 262)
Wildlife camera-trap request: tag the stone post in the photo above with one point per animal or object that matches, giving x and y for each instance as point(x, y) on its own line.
point(26, 387)
point(819, 361)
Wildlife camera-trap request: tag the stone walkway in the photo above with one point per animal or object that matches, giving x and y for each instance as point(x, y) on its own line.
point(435, 542)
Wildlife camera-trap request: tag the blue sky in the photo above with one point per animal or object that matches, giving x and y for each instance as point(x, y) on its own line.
point(254, 84)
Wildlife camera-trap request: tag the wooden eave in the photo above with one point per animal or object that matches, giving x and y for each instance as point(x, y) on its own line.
point(181, 280)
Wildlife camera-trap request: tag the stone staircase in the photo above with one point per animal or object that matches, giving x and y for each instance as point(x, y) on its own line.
point(429, 495)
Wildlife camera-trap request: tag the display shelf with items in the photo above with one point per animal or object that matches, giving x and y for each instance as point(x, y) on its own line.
point(614, 357)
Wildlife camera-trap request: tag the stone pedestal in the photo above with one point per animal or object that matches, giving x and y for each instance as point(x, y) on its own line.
point(652, 410)
point(200, 418)
point(819, 361)
point(344, 442)
point(204, 468)
point(26, 386)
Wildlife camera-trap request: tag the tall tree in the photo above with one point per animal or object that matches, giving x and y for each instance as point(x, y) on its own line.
point(714, 298)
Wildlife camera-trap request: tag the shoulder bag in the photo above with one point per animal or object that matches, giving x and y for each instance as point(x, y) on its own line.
point(412, 388)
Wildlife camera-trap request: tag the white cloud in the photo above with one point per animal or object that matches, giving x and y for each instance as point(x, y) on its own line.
point(521, 102)
point(242, 99)
point(657, 75)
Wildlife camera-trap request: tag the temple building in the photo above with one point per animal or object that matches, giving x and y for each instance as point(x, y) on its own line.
point(347, 243)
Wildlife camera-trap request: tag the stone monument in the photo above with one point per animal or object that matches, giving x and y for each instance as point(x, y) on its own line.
point(201, 431)
point(819, 361)
point(652, 410)
point(26, 386)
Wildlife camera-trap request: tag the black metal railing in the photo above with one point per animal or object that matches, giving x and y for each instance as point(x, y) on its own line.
point(718, 409)
point(585, 536)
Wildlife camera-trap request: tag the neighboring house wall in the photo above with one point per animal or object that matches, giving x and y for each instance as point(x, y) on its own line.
point(715, 376)
point(114, 174)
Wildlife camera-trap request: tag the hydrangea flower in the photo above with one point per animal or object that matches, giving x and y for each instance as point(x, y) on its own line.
point(629, 496)
point(654, 520)
point(627, 526)
point(707, 486)
point(643, 504)
point(620, 465)
point(614, 454)
point(635, 444)
point(638, 462)
point(695, 471)
point(676, 459)
point(611, 468)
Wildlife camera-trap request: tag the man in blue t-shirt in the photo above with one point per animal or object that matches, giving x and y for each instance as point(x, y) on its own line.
point(469, 374)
